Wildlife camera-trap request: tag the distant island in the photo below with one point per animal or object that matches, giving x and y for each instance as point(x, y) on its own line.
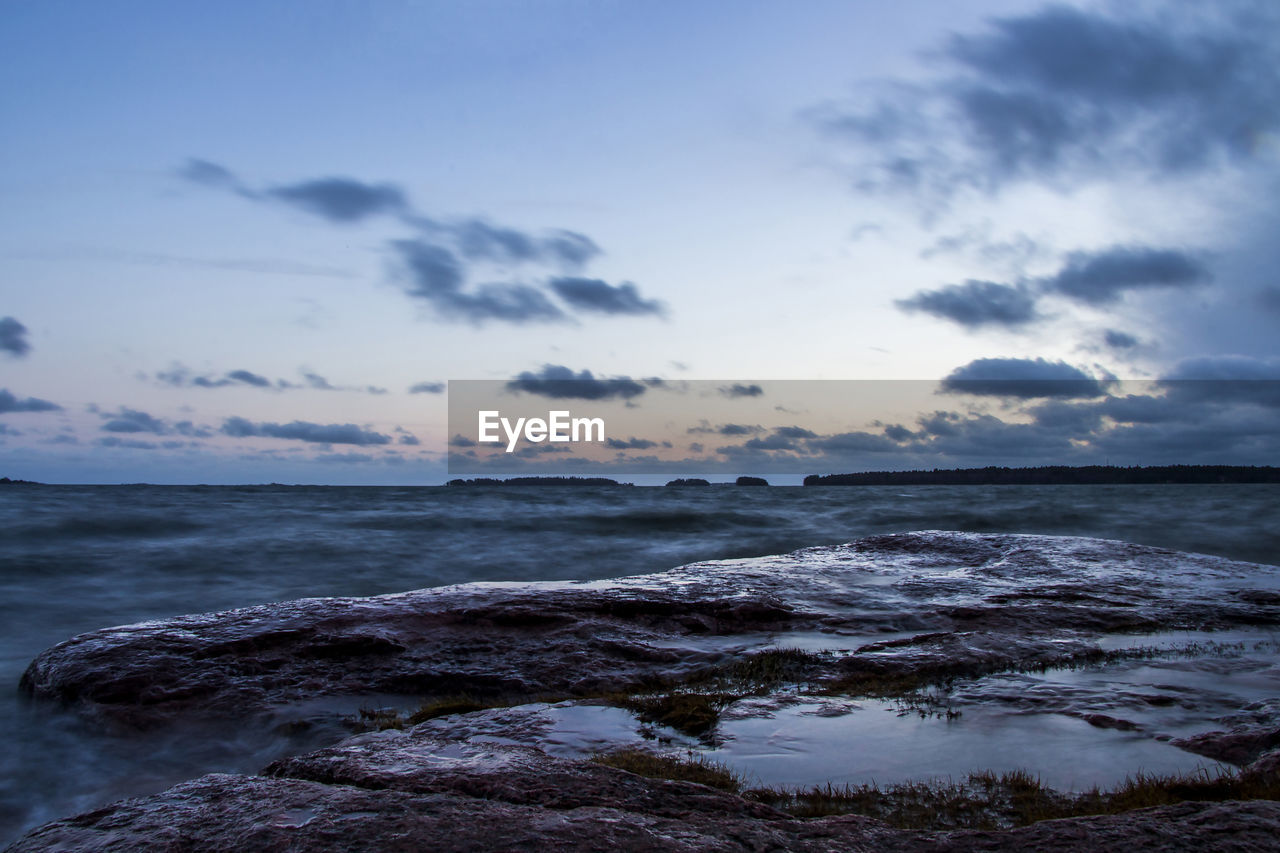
point(1055, 475)
point(689, 481)
point(751, 481)
point(5, 481)
point(537, 481)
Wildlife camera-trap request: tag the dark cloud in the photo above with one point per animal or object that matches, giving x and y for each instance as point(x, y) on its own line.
point(594, 295)
point(304, 431)
point(437, 264)
point(560, 382)
point(1063, 91)
point(632, 443)
point(10, 403)
point(739, 429)
point(460, 440)
point(435, 275)
point(342, 200)
point(180, 377)
point(1058, 415)
point(13, 337)
point(479, 240)
point(1119, 340)
point(249, 378)
point(738, 389)
point(1225, 379)
point(1098, 278)
point(1022, 378)
point(570, 248)
point(897, 432)
point(408, 440)
point(794, 432)
point(132, 420)
point(976, 304)
point(775, 441)
point(427, 388)
point(189, 429)
point(315, 380)
point(852, 442)
point(207, 173)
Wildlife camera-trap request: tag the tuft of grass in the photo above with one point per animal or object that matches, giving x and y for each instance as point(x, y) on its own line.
point(693, 706)
point(380, 719)
point(989, 800)
point(448, 705)
point(691, 713)
point(693, 768)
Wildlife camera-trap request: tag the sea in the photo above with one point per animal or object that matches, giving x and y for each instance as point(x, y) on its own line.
point(77, 558)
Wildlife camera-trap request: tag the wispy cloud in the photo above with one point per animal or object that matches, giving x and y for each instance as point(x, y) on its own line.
point(13, 337)
point(238, 427)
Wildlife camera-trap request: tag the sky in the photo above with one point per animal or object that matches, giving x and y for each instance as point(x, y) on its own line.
point(248, 242)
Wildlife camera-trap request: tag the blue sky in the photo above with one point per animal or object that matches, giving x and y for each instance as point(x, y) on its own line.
point(288, 215)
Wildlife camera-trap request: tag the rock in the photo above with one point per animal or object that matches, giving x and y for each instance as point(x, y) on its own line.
point(751, 481)
point(398, 792)
point(978, 602)
point(956, 604)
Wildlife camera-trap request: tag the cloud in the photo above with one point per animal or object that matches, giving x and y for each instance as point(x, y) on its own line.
point(132, 420)
point(1022, 378)
point(897, 432)
point(737, 390)
point(739, 429)
point(1225, 379)
point(249, 378)
point(1119, 340)
point(408, 440)
point(208, 173)
point(632, 443)
point(179, 376)
point(9, 403)
point(434, 274)
point(238, 427)
point(776, 441)
point(1099, 278)
point(427, 388)
point(853, 442)
point(594, 295)
point(976, 304)
point(559, 382)
point(1063, 91)
point(342, 200)
point(570, 248)
point(438, 263)
point(13, 337)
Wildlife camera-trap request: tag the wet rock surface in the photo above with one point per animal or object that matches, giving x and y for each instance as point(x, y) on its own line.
point(395, 792)
point(975, 602)
point(932, 607)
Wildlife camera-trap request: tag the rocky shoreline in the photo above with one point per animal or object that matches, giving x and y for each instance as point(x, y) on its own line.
point(892, 615)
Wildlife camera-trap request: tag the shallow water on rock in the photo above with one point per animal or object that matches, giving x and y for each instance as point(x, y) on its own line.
point(875, 743)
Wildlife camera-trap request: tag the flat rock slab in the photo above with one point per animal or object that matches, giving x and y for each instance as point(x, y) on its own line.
point(922, 602)
point(396, 793)
point(982, 600)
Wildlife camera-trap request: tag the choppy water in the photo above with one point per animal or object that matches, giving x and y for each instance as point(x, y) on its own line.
point(77, 558)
